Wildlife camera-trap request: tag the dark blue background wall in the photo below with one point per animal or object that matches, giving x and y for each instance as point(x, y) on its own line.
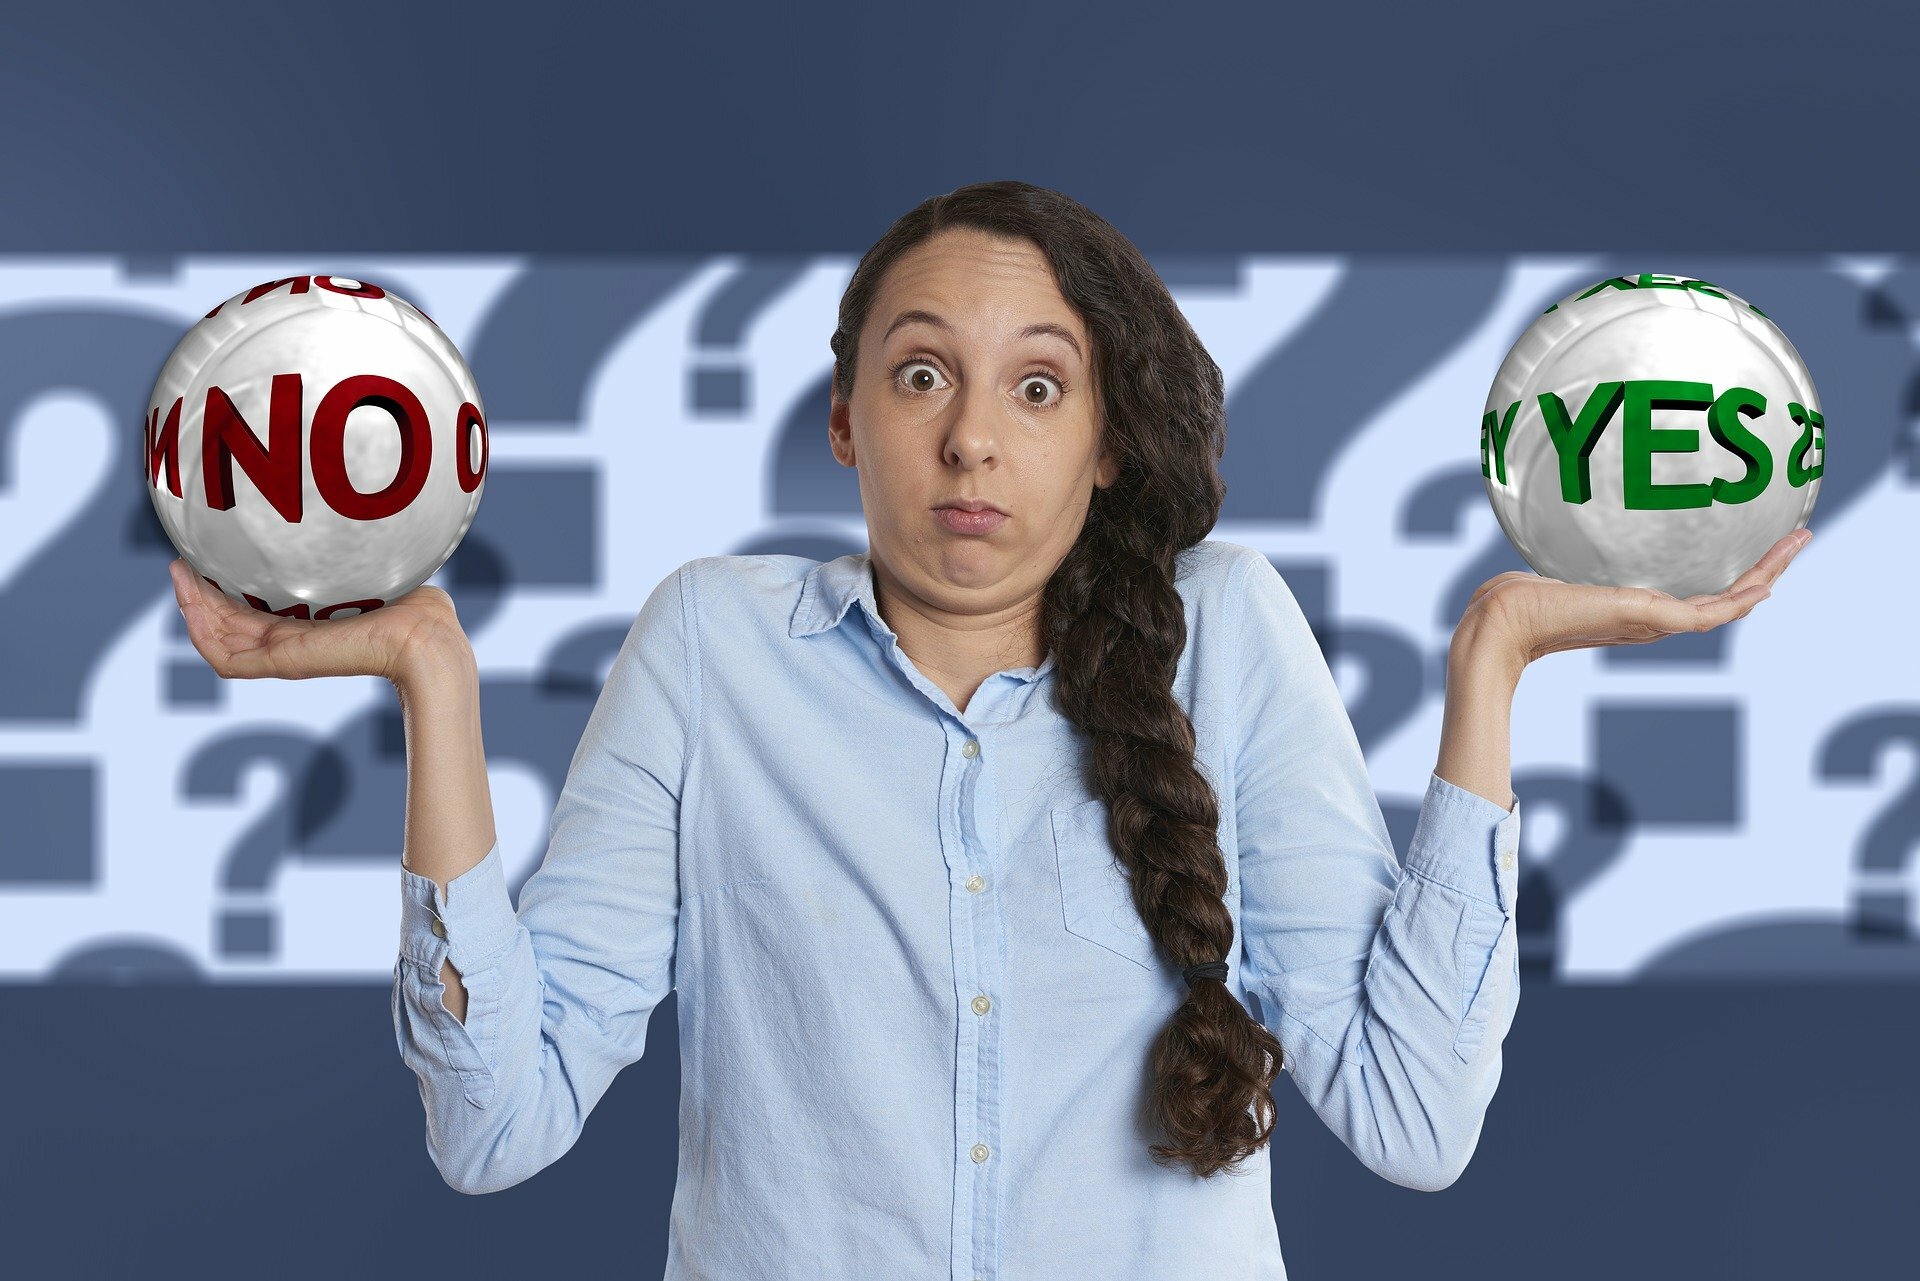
point(1653, 1131)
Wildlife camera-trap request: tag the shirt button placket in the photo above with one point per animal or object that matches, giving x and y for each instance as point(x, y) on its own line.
point(981, 1004)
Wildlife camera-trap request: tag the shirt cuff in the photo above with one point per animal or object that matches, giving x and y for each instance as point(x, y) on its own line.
point(471, 923)
point(1468, 843)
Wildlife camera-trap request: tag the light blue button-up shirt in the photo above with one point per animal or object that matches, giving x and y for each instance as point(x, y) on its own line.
point(915, 998)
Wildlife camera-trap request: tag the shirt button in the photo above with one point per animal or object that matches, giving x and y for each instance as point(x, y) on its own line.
point(971, 749)
point(981, 1005)
point(979, 1152)
point(439, 930)
point(975, 883)
point(1506, 860)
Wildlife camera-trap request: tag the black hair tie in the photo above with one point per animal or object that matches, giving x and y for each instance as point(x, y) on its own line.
point(1205, 970)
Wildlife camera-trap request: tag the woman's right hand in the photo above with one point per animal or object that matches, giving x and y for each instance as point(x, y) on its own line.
point(240, 642)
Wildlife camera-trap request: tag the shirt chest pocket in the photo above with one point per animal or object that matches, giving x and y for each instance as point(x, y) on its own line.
point(1096, 897)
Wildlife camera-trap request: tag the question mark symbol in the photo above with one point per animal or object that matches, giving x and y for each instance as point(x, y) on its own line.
point(246, 925)
point(718, 384)
point(1882, 905)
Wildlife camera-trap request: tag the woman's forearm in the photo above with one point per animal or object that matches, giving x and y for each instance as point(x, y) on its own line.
point(449, 824)
point(1476, 742)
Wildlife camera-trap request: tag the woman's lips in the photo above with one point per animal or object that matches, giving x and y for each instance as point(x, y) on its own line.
point(966, 522)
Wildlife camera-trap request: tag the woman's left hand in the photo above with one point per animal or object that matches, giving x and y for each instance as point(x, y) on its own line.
point(1536, 615)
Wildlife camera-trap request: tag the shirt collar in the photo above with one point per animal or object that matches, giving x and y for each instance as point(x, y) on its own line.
point(832, 587)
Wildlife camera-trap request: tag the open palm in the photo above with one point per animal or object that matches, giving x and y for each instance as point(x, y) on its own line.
point(241, 642)
point(1543, 615)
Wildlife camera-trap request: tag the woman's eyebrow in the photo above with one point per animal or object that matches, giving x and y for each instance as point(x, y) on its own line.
point(1034, 330)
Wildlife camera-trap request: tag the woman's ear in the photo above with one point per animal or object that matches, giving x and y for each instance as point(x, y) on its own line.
point(840, 431)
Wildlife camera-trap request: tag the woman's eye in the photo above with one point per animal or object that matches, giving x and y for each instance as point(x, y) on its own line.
point(920, 376)
point(1033, 391)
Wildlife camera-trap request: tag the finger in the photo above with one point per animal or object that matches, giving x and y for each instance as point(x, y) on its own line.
point(187, 588)
point(185, 593)
point(192, 596)
point(1764, 571)
point(1769, 566)
point(250, 664)
point(190, 587)
point(200, 631)
point(1704, 614)
point(207, 613)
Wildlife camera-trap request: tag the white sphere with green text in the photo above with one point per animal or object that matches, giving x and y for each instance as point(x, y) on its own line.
point(1651, 431)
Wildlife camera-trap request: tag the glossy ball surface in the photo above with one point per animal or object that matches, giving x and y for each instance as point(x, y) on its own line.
point(315, 446)
point(1651, 431)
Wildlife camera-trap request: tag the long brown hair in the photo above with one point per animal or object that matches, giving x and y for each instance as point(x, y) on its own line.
point(1116, 627)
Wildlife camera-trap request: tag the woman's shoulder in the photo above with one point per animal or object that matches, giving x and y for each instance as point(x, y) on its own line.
point(742, 573)
point(1211, 563)
point(723, 584)
point(737, 598)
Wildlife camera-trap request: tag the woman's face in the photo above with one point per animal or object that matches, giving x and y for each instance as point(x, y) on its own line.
point(973, 380)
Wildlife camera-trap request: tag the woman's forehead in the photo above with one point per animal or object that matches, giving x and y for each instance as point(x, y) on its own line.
point(962, 253)
point(915, 316)
point(986, 288)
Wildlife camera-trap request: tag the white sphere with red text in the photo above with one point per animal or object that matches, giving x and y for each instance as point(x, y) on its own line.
point(315, 447)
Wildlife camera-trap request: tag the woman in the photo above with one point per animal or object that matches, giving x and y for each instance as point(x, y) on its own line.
point(964, 854)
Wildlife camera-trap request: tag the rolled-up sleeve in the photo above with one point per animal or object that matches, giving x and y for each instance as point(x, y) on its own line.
point(1390, 985)
point(559, 991)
